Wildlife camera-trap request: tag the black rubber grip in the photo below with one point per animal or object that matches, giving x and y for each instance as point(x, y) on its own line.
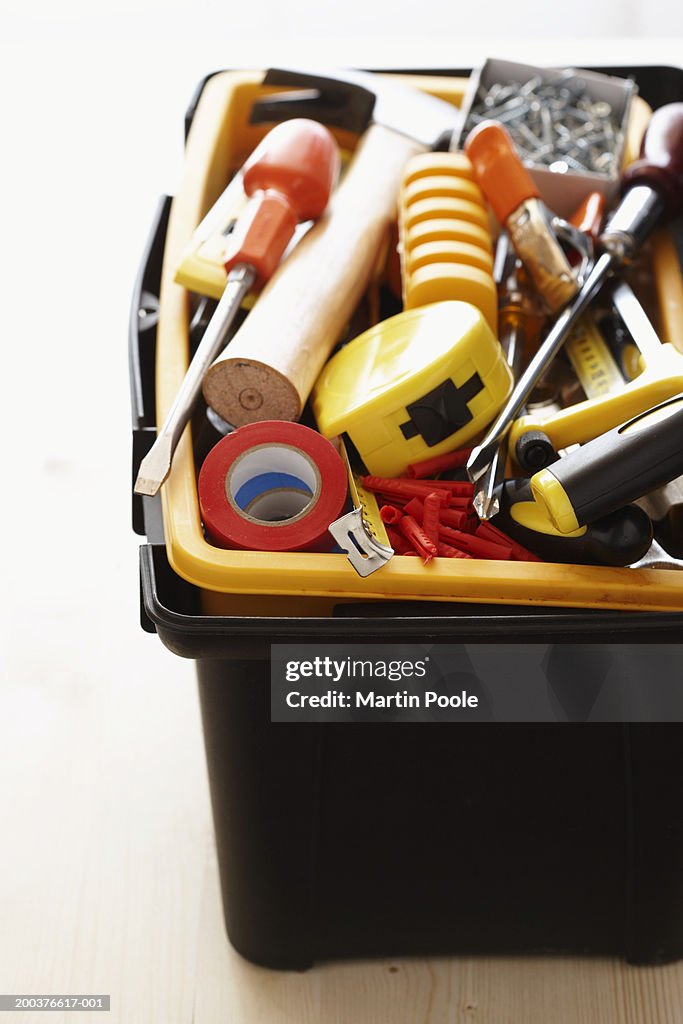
point(623, 464)
point(619, 539)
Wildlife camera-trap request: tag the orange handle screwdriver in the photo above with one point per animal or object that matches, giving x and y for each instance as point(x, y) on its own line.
point(514, 198)
point(289, 178)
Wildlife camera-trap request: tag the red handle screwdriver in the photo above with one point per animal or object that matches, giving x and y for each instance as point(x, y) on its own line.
point(289, 178)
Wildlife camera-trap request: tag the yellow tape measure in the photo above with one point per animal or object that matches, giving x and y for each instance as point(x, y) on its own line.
point(419, 384)
point(361, 532)
point(367, 503)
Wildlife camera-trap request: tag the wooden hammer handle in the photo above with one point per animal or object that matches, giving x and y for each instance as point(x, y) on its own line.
point(269, 368)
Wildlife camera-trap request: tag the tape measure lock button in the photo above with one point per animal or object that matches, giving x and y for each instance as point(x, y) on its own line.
point(442, 411)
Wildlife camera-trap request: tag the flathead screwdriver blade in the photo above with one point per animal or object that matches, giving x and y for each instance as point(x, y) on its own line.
point(486, 501)
point(155, 466)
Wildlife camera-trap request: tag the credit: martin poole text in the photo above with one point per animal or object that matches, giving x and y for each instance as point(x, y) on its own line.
point(371, 699)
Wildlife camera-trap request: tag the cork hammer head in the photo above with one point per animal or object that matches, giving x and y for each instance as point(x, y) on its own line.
point(355, 99)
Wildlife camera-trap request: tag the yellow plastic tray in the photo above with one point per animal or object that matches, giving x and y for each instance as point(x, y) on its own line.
point(219, 141)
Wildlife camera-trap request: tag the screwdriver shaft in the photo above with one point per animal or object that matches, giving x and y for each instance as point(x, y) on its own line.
point(156, 465)
point(513, 340)
point(482, 455)
point(239, 283)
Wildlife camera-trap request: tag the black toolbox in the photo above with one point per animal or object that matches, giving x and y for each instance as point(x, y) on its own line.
point(406, 839)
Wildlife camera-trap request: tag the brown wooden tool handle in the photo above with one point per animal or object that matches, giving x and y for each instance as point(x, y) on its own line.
point(270, 366)
point(661, 158)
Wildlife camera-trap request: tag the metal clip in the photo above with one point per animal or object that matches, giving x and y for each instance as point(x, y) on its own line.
point(365, 553)
point(581, 242)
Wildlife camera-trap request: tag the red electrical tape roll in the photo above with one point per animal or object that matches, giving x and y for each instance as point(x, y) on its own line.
point(272, 486)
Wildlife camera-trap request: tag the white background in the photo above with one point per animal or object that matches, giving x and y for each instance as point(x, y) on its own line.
point(92, 102)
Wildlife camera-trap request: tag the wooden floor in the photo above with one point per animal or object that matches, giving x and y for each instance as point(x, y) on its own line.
point(108, 881)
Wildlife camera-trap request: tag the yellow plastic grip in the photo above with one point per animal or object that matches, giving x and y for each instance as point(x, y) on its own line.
point(437, 229)
point(448, 251)
point(535, 517)
point(438, 186)
point(548, 490)
point(446, 206)
point(426, 165)
point(439, 282)
point(446, 246)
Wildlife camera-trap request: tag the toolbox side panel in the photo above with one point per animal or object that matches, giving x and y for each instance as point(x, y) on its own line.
point(142, 336)
point(265, 785)
point(384, 840)
point(476, 839)
point(653, 767)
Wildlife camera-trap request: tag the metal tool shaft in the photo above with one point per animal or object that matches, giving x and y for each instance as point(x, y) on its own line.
point(240, 281)
point(486, 503)
point(513, 338)
point(636, 321)
point(483, 454)
point(156, 465)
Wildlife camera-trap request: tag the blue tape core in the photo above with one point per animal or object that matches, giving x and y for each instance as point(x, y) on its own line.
point(265, 482)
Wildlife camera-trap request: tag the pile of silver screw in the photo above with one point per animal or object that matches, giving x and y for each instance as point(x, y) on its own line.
point(554, 122)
